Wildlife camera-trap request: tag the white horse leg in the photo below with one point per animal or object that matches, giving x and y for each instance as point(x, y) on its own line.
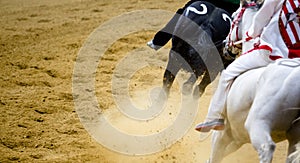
point(261, 139)
point(293, 136)
point(259, 128)
point(222, 145)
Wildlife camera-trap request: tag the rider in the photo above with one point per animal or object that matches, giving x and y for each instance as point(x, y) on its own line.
point(165, 34)
point(274, 17)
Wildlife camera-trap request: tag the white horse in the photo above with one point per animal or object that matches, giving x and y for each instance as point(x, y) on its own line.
point(263, 108)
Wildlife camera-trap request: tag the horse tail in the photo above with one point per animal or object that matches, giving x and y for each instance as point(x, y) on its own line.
point(295, 156)
point(298, 115)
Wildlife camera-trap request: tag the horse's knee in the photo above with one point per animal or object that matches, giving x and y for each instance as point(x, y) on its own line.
point(261, 139)
point(259, 132)
point(266, 151)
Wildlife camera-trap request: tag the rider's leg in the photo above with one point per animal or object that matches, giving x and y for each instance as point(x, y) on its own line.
point(215, 116)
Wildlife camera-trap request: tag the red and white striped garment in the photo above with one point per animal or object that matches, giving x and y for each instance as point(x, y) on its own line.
point(269, 25)
point(290, 27)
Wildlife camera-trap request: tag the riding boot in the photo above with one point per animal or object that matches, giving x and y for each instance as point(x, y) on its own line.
point(215, 117)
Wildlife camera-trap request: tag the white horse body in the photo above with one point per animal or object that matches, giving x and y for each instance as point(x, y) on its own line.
point(273, 94)
point(275, 108)
point(274, 99)
point(274, 86)
point(239, 101)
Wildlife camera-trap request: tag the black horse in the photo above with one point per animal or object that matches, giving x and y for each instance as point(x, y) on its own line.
point(197, 46)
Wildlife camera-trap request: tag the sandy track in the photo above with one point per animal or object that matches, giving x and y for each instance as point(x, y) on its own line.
point(39, 44)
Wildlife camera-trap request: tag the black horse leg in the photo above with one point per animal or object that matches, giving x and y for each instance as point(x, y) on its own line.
point(169, 76)
point(202, 85)
point(168, 81)
point(206, 80)
point(188, 85)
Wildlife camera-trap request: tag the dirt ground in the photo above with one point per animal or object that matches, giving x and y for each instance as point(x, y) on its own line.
point(39, 43)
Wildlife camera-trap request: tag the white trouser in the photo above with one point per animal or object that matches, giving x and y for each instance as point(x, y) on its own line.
point(254, 59)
